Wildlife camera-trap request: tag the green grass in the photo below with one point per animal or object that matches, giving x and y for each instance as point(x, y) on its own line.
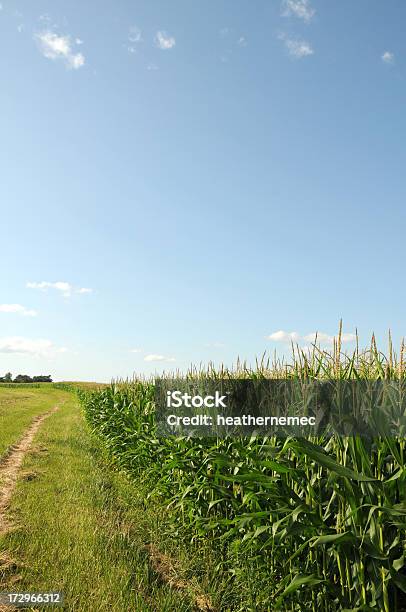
point(19, 406)
point(82, 528)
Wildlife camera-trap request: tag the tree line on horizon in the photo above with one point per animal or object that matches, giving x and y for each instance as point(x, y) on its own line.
point(24, 378)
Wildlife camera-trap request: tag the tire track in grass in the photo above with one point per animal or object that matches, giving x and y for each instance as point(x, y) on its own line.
point(10, 465)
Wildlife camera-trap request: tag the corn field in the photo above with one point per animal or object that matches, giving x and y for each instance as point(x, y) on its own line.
point(296, 523)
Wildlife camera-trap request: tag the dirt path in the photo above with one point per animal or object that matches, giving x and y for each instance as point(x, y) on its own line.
point(10, 466)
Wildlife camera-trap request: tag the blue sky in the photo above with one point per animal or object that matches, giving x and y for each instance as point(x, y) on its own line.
point(197, 178)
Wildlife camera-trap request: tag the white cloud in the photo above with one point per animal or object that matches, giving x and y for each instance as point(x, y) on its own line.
point(164, 41)
point(242, 41)
point(29, 346)
point(215, 345)
point(297, 48)
point(78, 60)
point(66, 289)
point(322, 338)
point(56, 47)
point(135, 350)
point(388, 57)
point(348, 338)
point(327, 339)
point(134, 35)
point(152, 67)
point(134, 38)
point(282, 336)
point(298, 8)
point(224, 32)
point(154, 357)
point(78, 41)
point(84, 290)
point(18, 309)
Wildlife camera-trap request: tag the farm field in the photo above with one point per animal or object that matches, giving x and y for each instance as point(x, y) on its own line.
point(292, 523)
point(119, 518)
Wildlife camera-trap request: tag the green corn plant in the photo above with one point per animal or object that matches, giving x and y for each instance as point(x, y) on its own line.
point(298, 523)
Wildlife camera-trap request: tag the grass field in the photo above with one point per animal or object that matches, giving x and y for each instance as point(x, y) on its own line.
point(79, 526)
point(18, 406)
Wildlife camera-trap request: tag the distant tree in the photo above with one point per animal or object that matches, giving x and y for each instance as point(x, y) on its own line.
point(23, 378)
point(42, 378)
